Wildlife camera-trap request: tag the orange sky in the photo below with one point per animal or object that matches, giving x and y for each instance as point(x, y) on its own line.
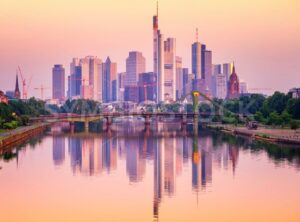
point(261, 36)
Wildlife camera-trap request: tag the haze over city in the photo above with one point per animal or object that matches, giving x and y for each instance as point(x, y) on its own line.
point(262, 37)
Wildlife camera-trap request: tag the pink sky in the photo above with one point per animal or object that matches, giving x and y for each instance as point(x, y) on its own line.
point(261, 36)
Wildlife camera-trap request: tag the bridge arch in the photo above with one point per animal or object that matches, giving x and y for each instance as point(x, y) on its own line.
point(195, 99)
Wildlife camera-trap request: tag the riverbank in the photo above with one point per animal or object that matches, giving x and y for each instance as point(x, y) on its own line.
point(271, 135)
point(16, 136)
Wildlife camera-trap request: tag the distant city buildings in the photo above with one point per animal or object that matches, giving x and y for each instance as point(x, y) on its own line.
point(109, 72)
point(3, 98)
point(158, 59)
point(243, 88)
point(58, 82)
point(202, 67)
point(170, 69)
point(170, 81)
point(135, 65)
point(221, 86)
point(179, 78)
point(295, 93)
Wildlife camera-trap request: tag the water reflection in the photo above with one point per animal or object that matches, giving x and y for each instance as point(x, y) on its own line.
point(169, 153)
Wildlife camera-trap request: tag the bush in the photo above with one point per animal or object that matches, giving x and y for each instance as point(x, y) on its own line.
point(10, 125)
point(294, 125)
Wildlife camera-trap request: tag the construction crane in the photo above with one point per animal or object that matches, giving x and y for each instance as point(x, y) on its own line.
point(25, 87)
point(42, 89)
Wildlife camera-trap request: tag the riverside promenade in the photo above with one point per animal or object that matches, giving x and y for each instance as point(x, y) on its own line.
point(273, 135)
point(20, 134)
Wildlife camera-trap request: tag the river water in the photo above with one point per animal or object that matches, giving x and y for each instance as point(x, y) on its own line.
point(161, 174)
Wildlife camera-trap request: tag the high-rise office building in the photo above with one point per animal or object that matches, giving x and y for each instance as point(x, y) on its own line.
point(243, 88)
point(95, 77)
point(121, 86)
point(208, 70)
point(221, 86)
point(197, 60)
point(158, 59)
point(202, 67)
point(185, 79)
point(170, 69)
point(227, 70)
point(179, 78)
point(217, 69)
point(85, 80)
point(147, 87)
point(109, 74)
point(74, 80)
point(58, 82)
point(135, 65)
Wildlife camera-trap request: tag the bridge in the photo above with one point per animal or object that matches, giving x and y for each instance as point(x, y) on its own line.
point(148, 116)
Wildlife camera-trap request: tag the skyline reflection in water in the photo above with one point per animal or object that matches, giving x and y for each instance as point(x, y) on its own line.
point(161, 160)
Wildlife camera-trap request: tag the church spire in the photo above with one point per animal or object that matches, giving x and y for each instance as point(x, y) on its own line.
point(17, 90)
point(233, 67)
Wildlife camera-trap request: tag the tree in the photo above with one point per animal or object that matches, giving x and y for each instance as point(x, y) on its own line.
point(277, 102)
point(275, 119)
point(293, 108)
point(286, 117)
point(259, 117)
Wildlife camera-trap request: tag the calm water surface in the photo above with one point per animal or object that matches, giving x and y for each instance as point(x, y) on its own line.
point(131, 174)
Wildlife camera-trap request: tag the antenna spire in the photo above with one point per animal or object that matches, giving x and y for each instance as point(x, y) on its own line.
point(197, 35)
point(157, 8)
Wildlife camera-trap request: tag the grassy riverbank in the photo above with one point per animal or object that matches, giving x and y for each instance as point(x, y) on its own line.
point(264, 133)
point(20, 134)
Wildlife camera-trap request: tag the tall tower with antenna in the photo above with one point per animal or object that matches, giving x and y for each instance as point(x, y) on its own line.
point(158, 58)
point(197, 57)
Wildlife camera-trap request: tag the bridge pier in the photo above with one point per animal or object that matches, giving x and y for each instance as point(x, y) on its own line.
point(108, 121)
point(86, 126)
point(196, 123)
point(184, 119)
point(147, 120)
point(72, 127)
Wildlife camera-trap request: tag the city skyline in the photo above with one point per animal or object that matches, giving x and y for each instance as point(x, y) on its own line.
point(272, 51)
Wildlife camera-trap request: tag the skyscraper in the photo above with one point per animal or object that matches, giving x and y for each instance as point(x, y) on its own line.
point(85, 78)
point(197, 60)
point(158, 58)
point(234, 90)
point(17, 90)
point(121, 86)
point(170, 69)
point(201, 67)
point(147, 87)
point(109, 74)
point(208, 70)
point(179, 78)
point(135, 65)
point(95, 77)
point(58, 82)
point(221, 86)
point(74, 80)
point(227, 70)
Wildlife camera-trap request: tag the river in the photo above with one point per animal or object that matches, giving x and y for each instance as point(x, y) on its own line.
point(161, 174)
